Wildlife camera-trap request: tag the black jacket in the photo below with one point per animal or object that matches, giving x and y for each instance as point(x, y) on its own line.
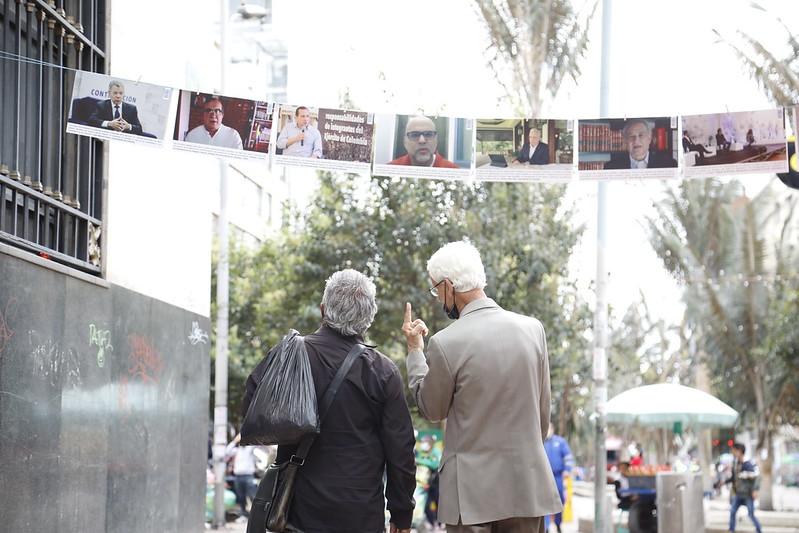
point(621, 160)
point(540, 155)
point(105, 111)
point(367, 431)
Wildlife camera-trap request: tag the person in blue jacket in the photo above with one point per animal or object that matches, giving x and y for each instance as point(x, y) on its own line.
point(561, 461)
point(745, 483)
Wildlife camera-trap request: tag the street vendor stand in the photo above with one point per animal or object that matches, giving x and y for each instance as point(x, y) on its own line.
point(676, 498)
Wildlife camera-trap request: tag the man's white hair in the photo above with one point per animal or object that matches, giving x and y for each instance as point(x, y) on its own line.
point(115, 83)
point(349, 301)
point(460, 263)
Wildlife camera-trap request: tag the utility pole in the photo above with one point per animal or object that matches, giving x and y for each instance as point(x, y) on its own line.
point(222, 293)
point(600, 365)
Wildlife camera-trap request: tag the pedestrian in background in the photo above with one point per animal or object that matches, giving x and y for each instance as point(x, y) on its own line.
point(561, 461)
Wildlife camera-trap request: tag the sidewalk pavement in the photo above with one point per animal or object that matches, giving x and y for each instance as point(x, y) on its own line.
point(717, 514)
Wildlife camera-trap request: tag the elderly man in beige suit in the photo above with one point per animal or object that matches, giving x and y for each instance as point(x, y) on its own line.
point(488, 374)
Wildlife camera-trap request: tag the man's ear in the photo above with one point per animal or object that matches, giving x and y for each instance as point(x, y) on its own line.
point(322, 310)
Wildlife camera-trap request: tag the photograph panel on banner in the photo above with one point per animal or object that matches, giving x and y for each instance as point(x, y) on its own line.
point(628, 148)
point(734, 143)
point(418, 146)
point(223, 126)
point(332, 139)
point(112, 108)
point(524, 149)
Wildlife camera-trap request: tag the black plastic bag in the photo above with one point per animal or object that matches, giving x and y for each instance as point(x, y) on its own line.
point(283, 408)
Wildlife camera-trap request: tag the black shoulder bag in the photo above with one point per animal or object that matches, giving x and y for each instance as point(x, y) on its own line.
point(270, 508)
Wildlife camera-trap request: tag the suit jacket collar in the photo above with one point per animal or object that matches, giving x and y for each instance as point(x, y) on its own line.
point(480, 303)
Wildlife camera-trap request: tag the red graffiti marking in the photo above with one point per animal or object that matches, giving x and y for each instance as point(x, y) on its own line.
point(5, 329)
point(145, 363)
point(122, 394)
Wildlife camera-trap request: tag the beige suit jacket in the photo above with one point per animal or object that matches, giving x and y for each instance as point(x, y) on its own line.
point(488, 375)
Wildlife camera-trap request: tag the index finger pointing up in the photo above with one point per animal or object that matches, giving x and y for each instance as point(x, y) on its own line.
point(407, 313)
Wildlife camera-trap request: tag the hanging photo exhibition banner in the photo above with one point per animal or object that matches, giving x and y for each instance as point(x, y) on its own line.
point(734, 143)
point(524, 149)
point(417, 146)
point(223, 126)
point(642, 147)
point(112, 108)
point(331, 139)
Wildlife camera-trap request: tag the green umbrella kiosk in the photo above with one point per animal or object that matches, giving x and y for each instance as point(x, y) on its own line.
point(676, 498)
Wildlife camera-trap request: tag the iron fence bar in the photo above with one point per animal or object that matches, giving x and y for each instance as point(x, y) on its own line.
point(14, 172)
point(7, 68)
point(37, 181)
point(49, 201)
point(48, 147)
point(58, 119)
point(53, 254)
point(52, 12)
point(31, 83)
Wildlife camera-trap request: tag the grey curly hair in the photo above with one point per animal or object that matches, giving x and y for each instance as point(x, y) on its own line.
point(349, 302)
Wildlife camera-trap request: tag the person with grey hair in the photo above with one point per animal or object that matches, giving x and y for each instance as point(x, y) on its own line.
point(637, 138)
point(115, 114)
point(487, 373)
point(534, 151)
point(367, 430)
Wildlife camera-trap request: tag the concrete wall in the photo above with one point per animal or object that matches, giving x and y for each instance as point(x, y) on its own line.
point(103, 405)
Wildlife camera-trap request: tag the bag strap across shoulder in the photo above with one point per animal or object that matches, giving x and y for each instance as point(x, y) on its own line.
point(305, 444)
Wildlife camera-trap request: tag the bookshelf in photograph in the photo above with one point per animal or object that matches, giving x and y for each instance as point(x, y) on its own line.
point(261, 130)
point(599, 139)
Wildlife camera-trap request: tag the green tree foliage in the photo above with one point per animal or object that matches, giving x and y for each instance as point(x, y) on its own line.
point(388, 228)
point(736, 258)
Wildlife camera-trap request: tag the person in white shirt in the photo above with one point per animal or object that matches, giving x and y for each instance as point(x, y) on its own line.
point(212, 131)
point(244, 471)
point(299, 137)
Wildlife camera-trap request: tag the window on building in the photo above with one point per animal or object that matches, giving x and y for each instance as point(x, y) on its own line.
point(51, 182)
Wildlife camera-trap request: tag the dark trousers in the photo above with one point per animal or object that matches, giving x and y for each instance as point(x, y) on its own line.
point(244, 486)
point(509, 525)
point(559, 516)
point(738, 501)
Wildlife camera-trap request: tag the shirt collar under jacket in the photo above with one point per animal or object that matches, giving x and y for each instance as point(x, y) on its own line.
point(324, 329)
point(634, 163)
point(480, 303)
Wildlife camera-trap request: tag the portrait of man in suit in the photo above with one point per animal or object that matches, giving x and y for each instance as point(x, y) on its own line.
point(688, 145)
point(114, 114)
point(637, 137)
point(421, 145)
point(487, 374)
point(533, 151)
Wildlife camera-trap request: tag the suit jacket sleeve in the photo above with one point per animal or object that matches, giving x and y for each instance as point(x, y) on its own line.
point(433, 386)
point(396, 434)
point(134, 119)
point(522, 156)
point(541, 154)
point(98, 115)
point(545, 395)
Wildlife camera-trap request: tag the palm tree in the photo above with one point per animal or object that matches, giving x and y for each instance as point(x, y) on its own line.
point(736, 259)
point(776, 76)
point(535, 44)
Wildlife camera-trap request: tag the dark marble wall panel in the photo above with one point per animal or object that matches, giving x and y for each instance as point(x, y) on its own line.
point(103, 407)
